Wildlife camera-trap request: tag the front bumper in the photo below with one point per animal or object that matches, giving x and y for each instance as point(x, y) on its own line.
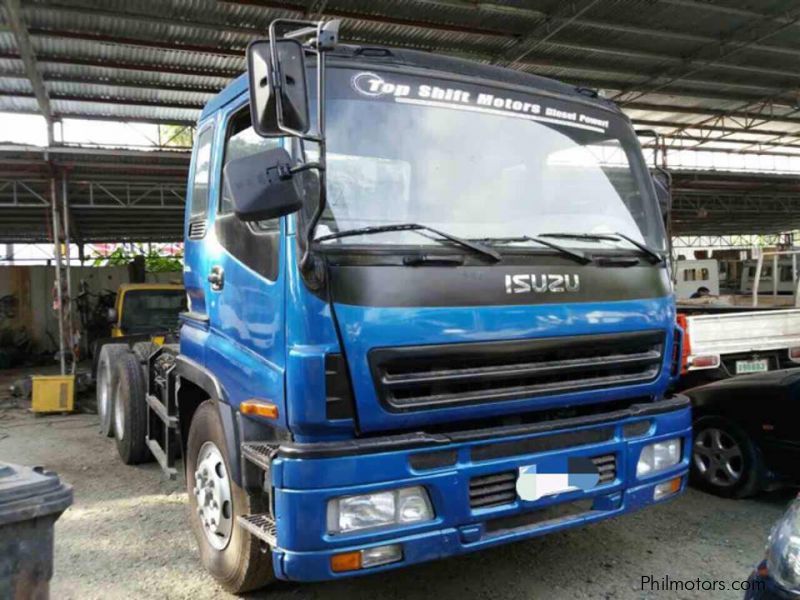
point(306, 476)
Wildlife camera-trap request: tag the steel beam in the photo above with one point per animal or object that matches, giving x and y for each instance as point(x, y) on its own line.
point(737, 41)
point(28, 56)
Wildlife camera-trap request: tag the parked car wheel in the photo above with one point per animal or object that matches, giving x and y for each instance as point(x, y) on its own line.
point(230, 553)
point(130, 411)
point(107, 385)
point(725, 461)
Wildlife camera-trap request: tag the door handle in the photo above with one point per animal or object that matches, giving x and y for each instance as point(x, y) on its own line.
point(216, 278)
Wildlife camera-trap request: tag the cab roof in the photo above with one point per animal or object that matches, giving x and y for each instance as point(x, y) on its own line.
point(127, 287)
point(373, 56)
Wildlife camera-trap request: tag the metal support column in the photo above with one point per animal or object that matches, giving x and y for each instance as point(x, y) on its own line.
point(68, 274)
point(57, 258)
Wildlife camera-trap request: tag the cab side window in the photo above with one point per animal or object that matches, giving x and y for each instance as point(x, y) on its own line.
point(242, 141)
point(198, 211)
point(254, 244)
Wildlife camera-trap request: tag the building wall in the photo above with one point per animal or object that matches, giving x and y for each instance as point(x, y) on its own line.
point(32, 291)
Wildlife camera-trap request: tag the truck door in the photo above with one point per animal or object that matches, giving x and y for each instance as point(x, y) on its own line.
point(246, 301)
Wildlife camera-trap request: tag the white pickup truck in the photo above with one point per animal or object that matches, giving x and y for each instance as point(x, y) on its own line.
point(724, 337)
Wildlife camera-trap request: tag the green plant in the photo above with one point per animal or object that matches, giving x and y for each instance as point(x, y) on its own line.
point(155, 259)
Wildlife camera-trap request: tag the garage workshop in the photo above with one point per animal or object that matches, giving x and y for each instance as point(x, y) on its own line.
point(399, 299)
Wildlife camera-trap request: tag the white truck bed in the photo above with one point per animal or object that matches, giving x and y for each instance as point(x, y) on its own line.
point(751, 331)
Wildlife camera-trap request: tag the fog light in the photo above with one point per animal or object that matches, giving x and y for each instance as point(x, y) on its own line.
point(662, 490)
point(381, 555)
point(365, 511)
point(659, 456)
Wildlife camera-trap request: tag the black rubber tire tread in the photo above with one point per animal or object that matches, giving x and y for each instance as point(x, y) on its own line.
point(131, 390)
point(109, 354)
point(754, 472)
point(242, 565)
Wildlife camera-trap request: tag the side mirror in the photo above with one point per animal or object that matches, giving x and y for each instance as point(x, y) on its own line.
point(112, 316)
point(262, 185)
point(278, 100)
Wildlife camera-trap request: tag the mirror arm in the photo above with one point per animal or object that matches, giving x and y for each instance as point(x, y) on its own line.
point(306, 167)
point(306, 262)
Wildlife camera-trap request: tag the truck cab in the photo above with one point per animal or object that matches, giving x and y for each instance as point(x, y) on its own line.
point(429, 312)
point(146, 308)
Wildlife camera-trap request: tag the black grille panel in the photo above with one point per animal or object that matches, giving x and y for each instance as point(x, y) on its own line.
point(197, 229)
point(498, 489)
point(493, 490)
point(424, 377)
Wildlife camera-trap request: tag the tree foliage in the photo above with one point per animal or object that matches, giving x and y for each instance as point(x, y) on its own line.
point(155, 260)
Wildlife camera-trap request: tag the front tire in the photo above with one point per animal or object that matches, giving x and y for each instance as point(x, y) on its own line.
point(725, 460)
point(227, 551)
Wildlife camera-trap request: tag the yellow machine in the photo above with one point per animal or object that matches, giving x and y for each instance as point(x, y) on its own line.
point(146, 308)
point(53, 393)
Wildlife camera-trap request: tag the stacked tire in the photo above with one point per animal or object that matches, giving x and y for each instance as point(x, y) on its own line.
point(121, 403)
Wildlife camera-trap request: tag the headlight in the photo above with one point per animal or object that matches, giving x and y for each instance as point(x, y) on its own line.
point(783, 551)
point(395, 507)
point(659, 456)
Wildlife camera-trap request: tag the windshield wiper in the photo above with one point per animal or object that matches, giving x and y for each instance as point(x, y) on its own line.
point(576, 255)
point(654, 256)
point(472, 245)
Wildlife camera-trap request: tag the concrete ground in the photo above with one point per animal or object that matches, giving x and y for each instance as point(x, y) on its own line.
point(126, 536)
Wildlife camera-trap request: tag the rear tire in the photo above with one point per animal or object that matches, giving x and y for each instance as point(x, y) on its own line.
point(230, 553)
point(130, 412)
point(725, 460)
point(107, 385)
point(143, 350)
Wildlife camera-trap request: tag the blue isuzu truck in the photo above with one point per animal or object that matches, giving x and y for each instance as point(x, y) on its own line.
point(429, 313)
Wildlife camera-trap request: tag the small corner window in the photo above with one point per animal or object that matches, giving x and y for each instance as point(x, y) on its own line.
point(202, 168)
point(198, 209)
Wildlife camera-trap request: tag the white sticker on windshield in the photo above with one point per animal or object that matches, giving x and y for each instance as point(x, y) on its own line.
point(374, 86)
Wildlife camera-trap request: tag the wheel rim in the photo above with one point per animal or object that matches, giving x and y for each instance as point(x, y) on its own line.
point(212, 492)
point(718, 457)
point(119, 415)
point(103, 381)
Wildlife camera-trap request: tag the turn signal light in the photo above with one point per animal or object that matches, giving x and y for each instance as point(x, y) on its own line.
point(366, 558)
point(349, 561)
point(259, 408)
point(666, 489)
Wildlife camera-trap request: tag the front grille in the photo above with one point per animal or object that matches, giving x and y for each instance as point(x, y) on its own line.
point(493, 490)
point(497, 489)
point(424, 377)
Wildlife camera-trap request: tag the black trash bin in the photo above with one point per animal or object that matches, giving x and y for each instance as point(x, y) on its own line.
point(31, 499)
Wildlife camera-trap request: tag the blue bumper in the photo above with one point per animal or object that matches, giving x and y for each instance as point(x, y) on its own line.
point(305, 477)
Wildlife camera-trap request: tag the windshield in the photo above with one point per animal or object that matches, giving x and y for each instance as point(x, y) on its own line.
point(146, 311)
point(478, 163)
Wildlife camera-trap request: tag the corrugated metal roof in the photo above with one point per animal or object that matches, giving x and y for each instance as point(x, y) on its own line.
point(719, 76)
point(691, 55)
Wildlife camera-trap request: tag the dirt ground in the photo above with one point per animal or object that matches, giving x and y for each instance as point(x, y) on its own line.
point(126, 537)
